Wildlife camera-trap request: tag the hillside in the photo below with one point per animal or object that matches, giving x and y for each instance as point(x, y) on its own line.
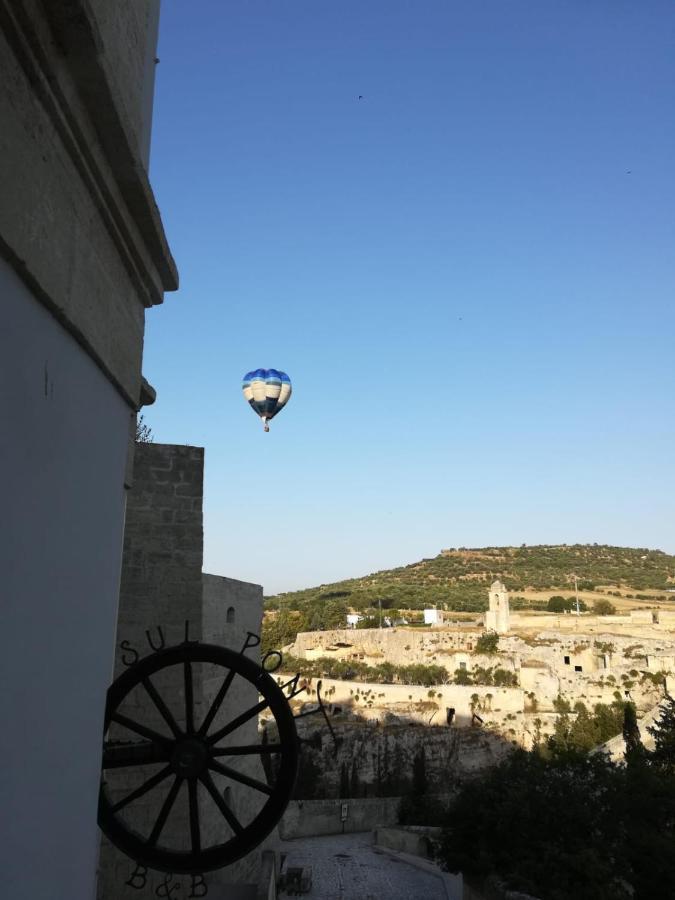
point(458, 578)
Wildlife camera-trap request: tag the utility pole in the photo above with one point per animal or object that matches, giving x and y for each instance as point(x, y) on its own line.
point(576, 592)
point(379, 603)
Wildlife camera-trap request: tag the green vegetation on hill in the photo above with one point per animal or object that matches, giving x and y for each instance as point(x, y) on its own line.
point(355, 670)
point(458, 579)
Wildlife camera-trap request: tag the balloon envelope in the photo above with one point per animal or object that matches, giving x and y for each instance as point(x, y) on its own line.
point(267, 392)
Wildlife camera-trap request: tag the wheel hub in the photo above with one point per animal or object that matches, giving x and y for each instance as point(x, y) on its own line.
point(190, 757)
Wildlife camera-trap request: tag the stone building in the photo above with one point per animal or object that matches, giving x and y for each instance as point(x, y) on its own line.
point(497, 616)
point(82, 257)
point(435, 616)
point(162, 586)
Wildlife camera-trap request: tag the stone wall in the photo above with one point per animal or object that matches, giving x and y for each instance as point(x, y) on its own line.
point(231, 609)
point(399, 646)
point(374, 760)
point(128, 29)
point(309, 818)
point(162, 587)
point(64, 457)
point(161, 581)
point(82, 255)
point(78, 219)
point(405, 700)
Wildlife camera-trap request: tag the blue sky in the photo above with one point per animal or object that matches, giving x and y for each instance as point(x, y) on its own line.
point(468, 274)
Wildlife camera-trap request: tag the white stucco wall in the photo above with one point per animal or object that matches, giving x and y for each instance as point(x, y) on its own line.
point(63, 444)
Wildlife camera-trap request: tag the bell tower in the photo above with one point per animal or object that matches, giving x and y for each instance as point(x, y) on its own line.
point(497, 616)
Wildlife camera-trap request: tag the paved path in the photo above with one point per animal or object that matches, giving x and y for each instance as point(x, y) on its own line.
point(348, 867)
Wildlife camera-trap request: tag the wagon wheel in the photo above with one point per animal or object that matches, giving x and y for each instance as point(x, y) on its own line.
point(171, 761)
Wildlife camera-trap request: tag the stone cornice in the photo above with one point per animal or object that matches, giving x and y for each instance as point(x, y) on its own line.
point(112, 171)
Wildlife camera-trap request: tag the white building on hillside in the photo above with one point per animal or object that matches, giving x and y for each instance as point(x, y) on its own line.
point(435, 616)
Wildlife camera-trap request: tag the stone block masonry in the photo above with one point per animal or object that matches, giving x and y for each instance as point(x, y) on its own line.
point(163, 545)
point(309, 818)
point(82, 256)
point(162, 586)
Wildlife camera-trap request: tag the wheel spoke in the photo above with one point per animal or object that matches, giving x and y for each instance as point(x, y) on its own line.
point(239, 776)
point(189, 699)
point(143, 730)
point(143, 789)
point(217, 702)
point(169, 747)
point(143, 753)
point(194, 817)
point(229, 816)
point(246, 749)
point(238, 722)
point(164, 812)
point(162, 707)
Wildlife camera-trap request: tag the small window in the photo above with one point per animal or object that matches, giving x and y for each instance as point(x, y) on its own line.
point(449, 714)
point(578, 669)
point(462, 665)
point(567, 660)
point(229, 616)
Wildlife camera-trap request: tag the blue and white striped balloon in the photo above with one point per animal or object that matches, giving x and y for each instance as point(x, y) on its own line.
point(267, 392)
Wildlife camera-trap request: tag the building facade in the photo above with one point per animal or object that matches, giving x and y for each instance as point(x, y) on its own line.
point(82, 257)
point(497, 616)
point(162, 587)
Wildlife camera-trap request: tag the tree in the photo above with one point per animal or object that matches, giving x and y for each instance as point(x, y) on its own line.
point(522, 792)
point(418, 807)
point(561, 705)
point(565, 604)
point(504, 678)
point(577, 826)
point(419, 777)
point(604, 608)
point(663, 732)
point(631, 734)
point(556, 604)
point(462, 676)
point(354, 781)
point(143, 431)
point(487, 643)
point(309, 778)
point(344, 781)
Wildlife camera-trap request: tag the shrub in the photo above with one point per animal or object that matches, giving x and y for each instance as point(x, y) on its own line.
point(487, 643)
point(604, 608)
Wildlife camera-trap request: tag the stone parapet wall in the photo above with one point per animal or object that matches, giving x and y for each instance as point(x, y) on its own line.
point(309, 818)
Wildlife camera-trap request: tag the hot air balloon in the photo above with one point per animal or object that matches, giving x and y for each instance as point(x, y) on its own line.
point(267, 391)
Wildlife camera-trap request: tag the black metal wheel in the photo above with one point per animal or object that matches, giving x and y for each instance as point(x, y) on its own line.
point(172, 760)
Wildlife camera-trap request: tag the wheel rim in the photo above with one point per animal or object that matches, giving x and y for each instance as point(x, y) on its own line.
point(194, 754)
